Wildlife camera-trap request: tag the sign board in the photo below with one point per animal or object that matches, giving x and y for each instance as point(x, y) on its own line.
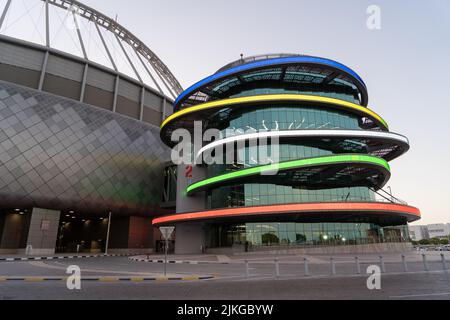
point(167, 232)
point(45, 225)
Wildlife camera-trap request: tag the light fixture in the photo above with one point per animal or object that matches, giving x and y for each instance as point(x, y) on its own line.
point(325, 237)
point(71, 212)
point(17, 210)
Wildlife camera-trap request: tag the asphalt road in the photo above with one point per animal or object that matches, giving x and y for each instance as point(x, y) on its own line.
point(230, 281)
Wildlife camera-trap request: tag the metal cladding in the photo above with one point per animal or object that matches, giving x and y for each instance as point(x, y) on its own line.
point(79, 119)
point(62, 154)
point(317, 109)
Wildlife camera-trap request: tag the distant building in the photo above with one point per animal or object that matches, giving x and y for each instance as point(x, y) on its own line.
point(440, 230)
point(418, 233)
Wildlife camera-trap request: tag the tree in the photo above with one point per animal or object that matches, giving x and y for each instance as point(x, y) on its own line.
point(435, 241)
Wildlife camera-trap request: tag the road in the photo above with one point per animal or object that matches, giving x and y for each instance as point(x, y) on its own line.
point(229, 281)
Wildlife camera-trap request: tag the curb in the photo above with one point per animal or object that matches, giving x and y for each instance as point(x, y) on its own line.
point(106, 279)
point(62, 257)
point(175, 261)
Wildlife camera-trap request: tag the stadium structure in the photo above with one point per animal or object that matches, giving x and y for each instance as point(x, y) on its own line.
point(86, 124)
point(333, 151)
point(82, 167)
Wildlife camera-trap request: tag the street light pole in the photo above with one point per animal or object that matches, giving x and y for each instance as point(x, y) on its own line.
point(107, 234)
point(166, 242)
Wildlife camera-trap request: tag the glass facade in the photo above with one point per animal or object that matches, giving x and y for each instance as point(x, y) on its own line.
point(270, 194)
point(264, 91)
point(289, 117)
point(278, 118)
point(249, 156)
point(292, 80)
point(303, 234)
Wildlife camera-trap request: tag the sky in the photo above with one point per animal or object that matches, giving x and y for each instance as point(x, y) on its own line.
point(405, 64)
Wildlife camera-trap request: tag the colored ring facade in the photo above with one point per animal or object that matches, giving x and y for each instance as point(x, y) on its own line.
point(271, 63)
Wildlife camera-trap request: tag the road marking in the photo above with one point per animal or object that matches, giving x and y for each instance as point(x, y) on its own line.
point(64, 267)
point(108, 279)
point(135, 279)
point(34, 279)
point(162, 279)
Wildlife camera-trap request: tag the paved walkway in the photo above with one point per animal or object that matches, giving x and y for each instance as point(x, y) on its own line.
point(413, 256)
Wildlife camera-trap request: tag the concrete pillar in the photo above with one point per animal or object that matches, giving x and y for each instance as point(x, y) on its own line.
point(43, 231)
point(186, 177)
point(12, 233)
point(190, 237)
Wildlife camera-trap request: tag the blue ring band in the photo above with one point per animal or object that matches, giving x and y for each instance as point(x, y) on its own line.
point(268, 62)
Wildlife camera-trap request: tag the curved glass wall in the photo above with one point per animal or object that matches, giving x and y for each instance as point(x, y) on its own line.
point(248, 195)
point(249, 157)
point(291, 80)
point(264, 91)
point(303, 234)
point(293, 117)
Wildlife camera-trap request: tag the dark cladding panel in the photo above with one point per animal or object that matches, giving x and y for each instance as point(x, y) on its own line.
point(151, 116)
point(24, 77)
point(62, 86)
point(98, 97)
point(128, 108)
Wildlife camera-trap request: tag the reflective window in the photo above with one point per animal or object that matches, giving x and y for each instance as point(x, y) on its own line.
point(303, 234)
point(269, 194)
point(279, 118)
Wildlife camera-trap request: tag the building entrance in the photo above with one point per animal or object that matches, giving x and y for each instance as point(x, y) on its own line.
point(82, 233)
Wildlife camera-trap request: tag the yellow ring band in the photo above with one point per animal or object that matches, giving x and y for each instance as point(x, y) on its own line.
point(274, 98)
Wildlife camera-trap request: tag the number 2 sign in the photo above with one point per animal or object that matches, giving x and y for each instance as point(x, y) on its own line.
point(188, 172)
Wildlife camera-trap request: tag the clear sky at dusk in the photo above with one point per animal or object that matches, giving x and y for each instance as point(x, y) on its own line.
point(406, 64)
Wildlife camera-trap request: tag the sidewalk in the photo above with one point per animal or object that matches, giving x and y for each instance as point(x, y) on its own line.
point(413, 256)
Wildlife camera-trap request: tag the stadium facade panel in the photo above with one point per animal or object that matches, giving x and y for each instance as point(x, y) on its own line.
point(82, 167)
point(61, 154)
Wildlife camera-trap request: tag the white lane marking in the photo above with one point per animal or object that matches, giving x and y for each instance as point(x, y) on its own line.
point(64, 267)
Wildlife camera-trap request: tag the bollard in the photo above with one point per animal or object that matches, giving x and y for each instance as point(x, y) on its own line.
point(444, 263)
point(405, 265)
point(425, 262)
point(382, 265)
point(306, 267)
point(358, 265)
point(247, 270)
point(277, 269)
point(333, 266)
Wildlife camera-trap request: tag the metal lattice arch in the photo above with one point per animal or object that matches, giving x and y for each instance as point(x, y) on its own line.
point(68, 49)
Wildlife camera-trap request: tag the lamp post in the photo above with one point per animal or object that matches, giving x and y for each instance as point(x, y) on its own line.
point(107, 234)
